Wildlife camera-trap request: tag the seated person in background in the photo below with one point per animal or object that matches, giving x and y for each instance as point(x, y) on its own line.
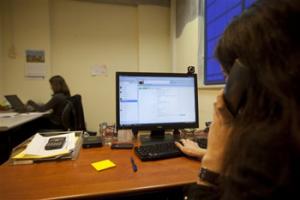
point(256, 154)
point(56, 103)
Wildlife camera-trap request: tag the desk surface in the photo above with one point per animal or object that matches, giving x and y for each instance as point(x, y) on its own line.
point(10, 122)
point(67, 179)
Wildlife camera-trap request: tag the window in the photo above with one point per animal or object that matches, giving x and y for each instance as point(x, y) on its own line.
point(218, 14)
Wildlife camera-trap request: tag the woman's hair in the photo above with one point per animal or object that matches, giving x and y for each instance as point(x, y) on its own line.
point(59, 85)
point(262, 156)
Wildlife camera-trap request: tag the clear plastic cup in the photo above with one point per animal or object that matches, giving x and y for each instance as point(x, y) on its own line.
point(107, 132)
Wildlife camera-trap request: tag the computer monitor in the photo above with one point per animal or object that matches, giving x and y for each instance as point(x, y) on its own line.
point(156, 101)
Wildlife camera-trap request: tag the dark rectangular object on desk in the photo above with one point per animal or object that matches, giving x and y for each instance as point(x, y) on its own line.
point(122, 146)
point(55, 143)
point(92, 141)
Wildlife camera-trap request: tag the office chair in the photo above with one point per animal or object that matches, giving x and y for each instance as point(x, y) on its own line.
point(73, 115)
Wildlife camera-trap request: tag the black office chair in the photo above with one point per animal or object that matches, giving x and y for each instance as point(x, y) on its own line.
point(73, 115)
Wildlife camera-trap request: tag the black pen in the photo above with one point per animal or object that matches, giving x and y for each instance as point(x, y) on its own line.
point(134, 166)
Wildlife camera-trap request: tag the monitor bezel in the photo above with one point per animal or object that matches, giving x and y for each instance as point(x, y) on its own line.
point(156, 126)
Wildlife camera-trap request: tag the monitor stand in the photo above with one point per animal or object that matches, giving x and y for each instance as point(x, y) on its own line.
point(159, 136)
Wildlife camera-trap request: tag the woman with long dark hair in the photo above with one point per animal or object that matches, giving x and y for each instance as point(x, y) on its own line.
point(57, 103)
point(256, 154)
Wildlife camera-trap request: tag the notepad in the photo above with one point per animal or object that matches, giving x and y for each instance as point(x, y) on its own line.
point(104, 164)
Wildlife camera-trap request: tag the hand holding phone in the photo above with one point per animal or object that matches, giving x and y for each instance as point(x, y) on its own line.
point(122, 146)
point(236, 87)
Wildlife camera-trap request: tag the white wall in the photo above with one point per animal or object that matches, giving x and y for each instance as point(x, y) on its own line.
point(77, 35)
point(85, 34)
point(154, 38)
point(187, 51)
point(173, 34)
point(187, 47)
point(26, 27)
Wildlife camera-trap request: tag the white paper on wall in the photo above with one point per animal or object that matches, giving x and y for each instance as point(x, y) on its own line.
point(99, 70)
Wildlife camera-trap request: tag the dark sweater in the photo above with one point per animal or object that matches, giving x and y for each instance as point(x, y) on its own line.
point(56, 103)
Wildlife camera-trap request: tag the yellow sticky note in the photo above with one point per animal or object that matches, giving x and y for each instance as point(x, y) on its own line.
point(104, 164)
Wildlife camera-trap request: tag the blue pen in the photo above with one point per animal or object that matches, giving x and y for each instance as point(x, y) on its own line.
point(134, 166)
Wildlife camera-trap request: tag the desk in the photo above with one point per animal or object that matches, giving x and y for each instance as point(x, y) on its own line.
point(7, 123)
point(77, 179)
point(15, 129)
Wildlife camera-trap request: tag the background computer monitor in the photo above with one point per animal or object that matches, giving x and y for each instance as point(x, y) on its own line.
point(156, 101)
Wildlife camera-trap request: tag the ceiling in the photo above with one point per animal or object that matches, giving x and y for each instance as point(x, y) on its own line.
point(165, 3)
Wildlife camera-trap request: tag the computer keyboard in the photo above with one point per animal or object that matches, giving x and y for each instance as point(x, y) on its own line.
point(157, 151)
point(163, 150)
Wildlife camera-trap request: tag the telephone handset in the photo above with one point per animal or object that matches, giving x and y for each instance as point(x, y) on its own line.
point(236, 87)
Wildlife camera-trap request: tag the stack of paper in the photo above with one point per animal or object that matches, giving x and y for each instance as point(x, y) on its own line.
point(35, 150)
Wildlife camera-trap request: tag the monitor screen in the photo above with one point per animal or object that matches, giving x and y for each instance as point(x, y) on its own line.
point(151, 101)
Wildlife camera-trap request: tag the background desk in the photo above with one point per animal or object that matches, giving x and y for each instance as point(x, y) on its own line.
point(7, 123)
point(71, 179)
point(15, 129)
